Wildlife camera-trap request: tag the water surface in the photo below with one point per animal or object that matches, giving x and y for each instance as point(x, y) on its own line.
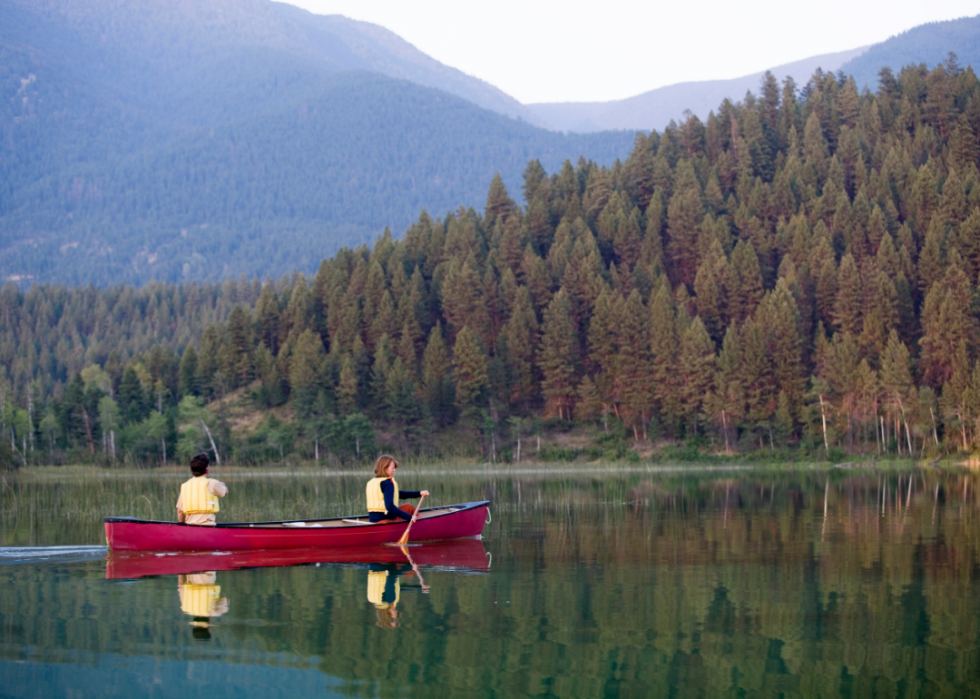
point(624, 583)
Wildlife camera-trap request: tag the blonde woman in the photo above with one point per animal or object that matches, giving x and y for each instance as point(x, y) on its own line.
point(383, 495)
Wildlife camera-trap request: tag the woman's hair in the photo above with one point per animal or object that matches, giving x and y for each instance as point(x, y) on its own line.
point(387, 616)
point(382, 463)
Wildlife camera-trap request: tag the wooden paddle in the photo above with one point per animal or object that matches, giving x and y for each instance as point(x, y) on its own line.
point(404, 539)
point(425, 588)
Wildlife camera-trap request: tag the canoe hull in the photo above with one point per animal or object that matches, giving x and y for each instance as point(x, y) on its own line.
point(126, 534)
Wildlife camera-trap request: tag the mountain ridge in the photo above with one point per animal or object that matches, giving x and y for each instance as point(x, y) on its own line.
point(172, 155)
point(655, 108)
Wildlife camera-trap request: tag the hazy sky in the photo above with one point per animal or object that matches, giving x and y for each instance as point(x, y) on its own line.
point(543, 51)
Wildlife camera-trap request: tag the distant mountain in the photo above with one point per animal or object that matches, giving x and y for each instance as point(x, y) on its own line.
point(928, 43)
point(656, 108)
point(144, 31)
point(196, 139)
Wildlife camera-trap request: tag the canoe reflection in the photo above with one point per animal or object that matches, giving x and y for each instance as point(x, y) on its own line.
point(467, 554)
point(200, 598)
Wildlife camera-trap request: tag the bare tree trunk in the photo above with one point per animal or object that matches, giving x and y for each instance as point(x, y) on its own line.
point(962, 428)
point(214, 447)
point(724, 428)
point(823, 419)
point(878, 439)
point(935, 432)
point(30, 416)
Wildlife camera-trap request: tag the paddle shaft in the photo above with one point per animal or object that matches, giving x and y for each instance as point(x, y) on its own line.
point(404, 540)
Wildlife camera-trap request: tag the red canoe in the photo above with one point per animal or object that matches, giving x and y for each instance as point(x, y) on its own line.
point(466, 554)
point(433, 523)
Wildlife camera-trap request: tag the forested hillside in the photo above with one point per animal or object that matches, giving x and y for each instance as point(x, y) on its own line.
point(196, 141)
point(799, 271)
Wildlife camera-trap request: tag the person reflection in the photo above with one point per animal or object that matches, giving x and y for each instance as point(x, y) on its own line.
point(200, 598)
point(384, 590)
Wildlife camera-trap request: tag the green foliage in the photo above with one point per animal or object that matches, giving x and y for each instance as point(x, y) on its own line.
point(745, 288)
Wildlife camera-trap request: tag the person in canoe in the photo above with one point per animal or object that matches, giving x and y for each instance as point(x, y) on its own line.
point(198, 500)
point(383, 494)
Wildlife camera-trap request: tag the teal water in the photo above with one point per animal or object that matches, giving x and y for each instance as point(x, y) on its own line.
point(635, 583)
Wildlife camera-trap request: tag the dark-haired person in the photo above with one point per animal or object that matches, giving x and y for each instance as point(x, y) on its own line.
point(198, 500)
point(383, 494)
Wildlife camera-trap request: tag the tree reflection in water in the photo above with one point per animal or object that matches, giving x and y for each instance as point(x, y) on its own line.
point(634, 583)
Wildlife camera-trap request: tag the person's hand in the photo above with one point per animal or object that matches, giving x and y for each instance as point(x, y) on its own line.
point(425, 493)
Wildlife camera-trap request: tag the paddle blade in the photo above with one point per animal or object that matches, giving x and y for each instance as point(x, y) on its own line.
point(404, 538)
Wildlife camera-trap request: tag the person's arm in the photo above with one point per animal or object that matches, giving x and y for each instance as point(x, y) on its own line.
point(413, 493)
point(388, 491)
point(180, 510)
point(217, 487)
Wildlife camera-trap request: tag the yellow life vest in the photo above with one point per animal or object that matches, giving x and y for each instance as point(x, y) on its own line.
point(377, 581)
point(375, 498)
point(199, 600)
point(196, 499)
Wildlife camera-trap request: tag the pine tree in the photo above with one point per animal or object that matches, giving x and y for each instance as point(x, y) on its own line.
point(757, 379)
point(880, 314)
point(133, 404)
point(849, 304)
point(743, 282)
point(632, 365)
point(401, 402)
point(383, 358)
point(684, 214)
point(239, 348)
point(437, 387)
point(470, 373)
point(347, 388)
point(780, 319)
point(521, 334)
point(664, 346)
point(697, 364)
point(898, 388)
point(725, 404)
point(499, 203)
point(709, 291)
point(947, 323)
point(558, 356)
point(188, 372)
point(306, 368)
point(267, 319)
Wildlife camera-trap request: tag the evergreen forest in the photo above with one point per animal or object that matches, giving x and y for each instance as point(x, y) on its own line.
point(203, 140)
point(797, 275)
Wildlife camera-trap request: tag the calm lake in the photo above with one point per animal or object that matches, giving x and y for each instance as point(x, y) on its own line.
point(587, 583)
